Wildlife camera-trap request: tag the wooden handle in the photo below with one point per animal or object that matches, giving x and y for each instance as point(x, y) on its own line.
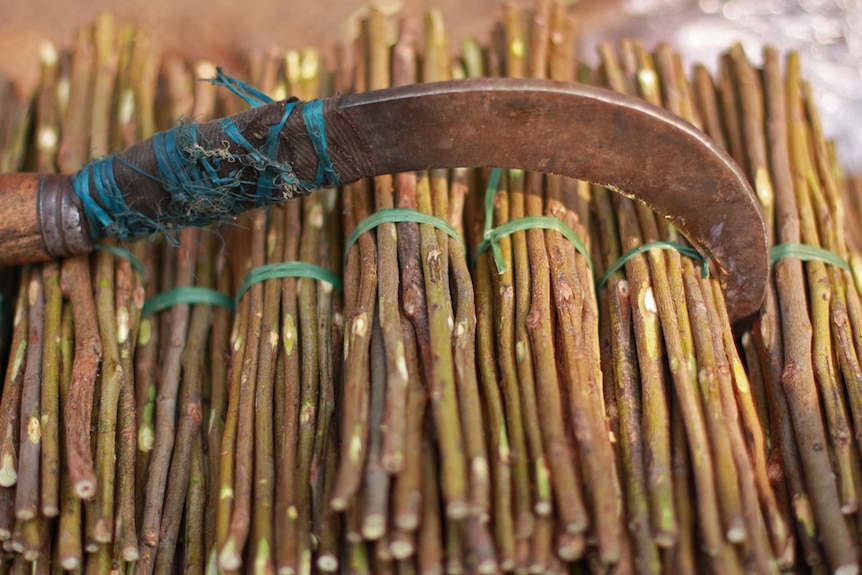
point(40, 219)
point(20, 229)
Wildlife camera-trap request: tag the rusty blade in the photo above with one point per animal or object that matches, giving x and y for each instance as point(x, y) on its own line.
point(582, 132)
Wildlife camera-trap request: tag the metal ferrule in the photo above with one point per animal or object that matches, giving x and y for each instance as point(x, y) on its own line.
point(63, 227)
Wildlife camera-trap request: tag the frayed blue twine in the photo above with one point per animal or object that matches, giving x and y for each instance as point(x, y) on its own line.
point(253, 97)
point(202, 190)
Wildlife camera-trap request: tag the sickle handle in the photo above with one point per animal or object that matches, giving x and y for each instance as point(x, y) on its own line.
point(40, 219)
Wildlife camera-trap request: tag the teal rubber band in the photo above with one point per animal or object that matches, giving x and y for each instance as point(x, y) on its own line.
point(806, 253)
point(490, 193)
point(397, 215)
point(493, 235)
point(189, 295)
point(661, 245)
point(287, 270)
point(119, 252)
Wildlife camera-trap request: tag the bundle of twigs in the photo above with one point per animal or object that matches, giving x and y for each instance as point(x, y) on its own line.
point(273, 430)
point(703, 483)
point(442, 386)
point(433, 425)
point(810, 360)
point(538, 336)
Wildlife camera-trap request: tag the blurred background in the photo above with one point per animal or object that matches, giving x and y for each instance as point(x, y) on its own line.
point(828, 34)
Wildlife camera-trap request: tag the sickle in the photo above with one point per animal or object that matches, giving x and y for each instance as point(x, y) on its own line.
point(561, 128)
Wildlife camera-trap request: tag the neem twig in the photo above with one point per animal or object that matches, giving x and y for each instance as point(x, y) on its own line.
point(30, 434)
point(77, 411)
point(10, 404)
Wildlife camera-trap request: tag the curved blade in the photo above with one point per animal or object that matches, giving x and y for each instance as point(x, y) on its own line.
point(578, 131)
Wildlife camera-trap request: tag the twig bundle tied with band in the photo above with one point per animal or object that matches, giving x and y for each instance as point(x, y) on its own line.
point(198, 174)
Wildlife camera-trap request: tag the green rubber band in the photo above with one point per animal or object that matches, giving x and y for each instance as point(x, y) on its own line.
point(661, 245)
point(493, 235)
point(856, 271)
point(397, 215)
point(287, 270)
point(806, 253)
point(490, 193)
point(119, 252)
point(188, 295)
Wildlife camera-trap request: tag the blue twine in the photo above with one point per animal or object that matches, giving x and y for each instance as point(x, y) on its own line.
point(312, 114)
point(206, 180)
point(271, 148)
point(253, 97)
point(93, 211)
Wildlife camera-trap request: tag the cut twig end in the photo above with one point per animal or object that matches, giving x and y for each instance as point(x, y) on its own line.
point(338, 504)
point(374, 527)
point(542, 508)
point(50, 510)
point(402, 550)
point(130, 553)
point(327, 563)
point(31, 554)
point(736, 534)
point(229, 559)
point(8, 473)
point(572, 547)
point(457, 510)
point(25, 514)
point(102, 532)
point(665, 539)
point(85, 489)
point(407, 521)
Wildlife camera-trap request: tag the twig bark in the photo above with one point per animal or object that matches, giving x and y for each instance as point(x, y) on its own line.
point(77, 411)
point(30, 434)
point(10, 404)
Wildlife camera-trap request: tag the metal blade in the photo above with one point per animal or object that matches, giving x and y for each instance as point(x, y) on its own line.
point(577, 131)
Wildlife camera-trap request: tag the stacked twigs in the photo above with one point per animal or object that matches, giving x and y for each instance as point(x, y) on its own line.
point(420, 346)
point(15, 118)
point(555, 343)
point(279, 403)
point(816, 392)
point(453, 408)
